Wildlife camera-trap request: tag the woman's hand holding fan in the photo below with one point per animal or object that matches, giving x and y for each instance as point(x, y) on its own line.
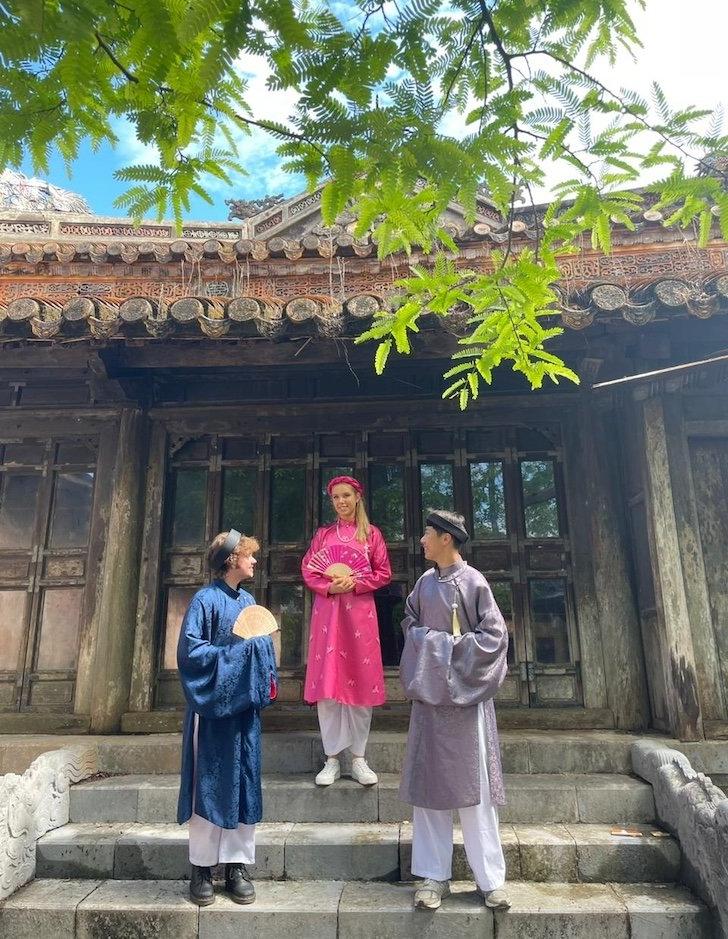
point(342, 565)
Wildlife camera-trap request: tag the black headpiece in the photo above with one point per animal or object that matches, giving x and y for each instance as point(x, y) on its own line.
point(438, 521)
point(225, 549)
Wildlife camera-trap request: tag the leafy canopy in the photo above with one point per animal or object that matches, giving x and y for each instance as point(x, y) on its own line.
point(379, 88)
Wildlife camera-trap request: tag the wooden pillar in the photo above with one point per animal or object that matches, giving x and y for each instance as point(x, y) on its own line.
point(145, 639)
point(591, 652)
point(105, 482)
point(624, 668)
point(116, 612)
point(707, 658)
point(681, 679)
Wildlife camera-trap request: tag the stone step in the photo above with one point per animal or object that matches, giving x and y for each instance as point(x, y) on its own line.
point(532, 799)
point(301, 752)
point(326, 851)
point(86, 909)
point(522, 751)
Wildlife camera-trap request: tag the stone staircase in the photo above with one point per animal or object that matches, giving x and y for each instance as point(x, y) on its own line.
point(336, 862)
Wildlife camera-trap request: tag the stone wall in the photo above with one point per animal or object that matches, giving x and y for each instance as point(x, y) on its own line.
point(696, 811)
point(35, 803)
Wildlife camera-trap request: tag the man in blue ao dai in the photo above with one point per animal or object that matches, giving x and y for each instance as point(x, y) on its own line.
point(227, 681)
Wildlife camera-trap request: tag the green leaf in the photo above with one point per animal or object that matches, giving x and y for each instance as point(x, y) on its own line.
point(380, 359)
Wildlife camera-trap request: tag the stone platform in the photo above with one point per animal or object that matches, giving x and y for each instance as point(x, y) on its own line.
point(336, 862)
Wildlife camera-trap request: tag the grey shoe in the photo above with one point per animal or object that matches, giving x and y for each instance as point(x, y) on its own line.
point(496, 899)
point(201, 892)
point(431, 893)
point(238, 885)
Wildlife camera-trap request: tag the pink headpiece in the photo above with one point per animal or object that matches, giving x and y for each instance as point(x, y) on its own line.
point(346, 480)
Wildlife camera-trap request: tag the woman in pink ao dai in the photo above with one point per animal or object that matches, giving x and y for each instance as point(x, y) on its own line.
point(344, 674)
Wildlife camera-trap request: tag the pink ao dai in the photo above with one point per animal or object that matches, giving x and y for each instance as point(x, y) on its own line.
point(344, 652)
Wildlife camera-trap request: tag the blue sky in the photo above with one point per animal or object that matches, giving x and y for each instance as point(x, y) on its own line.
point(685, 54)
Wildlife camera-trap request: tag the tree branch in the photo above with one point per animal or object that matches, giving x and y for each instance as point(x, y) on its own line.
point(110, 53)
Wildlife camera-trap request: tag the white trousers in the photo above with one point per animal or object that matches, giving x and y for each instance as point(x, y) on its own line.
point(343, 726)
point(432, 834)
point(210, 844)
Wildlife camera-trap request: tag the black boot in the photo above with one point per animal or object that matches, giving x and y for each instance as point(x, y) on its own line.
point(238, 884)
point(201, 891)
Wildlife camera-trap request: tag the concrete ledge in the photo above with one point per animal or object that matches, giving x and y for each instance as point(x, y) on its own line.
point(322, 851)
point(331, 910)
point(306, 911)
point(532, 799)
point(137, 908)
point(44, 908)
point(385, 912)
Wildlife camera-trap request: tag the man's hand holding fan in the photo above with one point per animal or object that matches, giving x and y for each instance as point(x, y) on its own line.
point(342, 565)
point(256, 620)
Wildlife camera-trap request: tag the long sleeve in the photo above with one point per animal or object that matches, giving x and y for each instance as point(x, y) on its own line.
point(411, 610)
point(442, 669)
point(223, 680)
point(312, 579)
point(479, 662)
point(379, 560)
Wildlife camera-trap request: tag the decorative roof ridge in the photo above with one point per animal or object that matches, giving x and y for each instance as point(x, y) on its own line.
point(39, 244)
point(105, 315)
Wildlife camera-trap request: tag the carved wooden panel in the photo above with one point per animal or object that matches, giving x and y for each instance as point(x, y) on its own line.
point(185, 565)
point(64, 567)
point(553, 688)
point(509, 692)
point(494, 557)
point(14, 568)
point(285, 565)
point(545, 557)
point(52, 695)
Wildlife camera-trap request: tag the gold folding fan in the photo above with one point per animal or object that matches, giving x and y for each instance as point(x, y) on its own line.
point(258, 621)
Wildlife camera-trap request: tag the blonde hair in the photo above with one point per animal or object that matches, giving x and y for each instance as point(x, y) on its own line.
point(247, 545)
point(362, 522)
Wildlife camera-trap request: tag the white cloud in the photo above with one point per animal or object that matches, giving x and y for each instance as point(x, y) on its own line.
point(129, 148)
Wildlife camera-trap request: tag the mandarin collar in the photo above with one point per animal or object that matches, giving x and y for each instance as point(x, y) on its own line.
point(230, 591)
point(451, 568)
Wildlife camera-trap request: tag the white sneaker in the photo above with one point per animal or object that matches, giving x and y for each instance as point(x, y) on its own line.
point(431, 894)
point(496, 899)
point(361, 772)
point(330, 773)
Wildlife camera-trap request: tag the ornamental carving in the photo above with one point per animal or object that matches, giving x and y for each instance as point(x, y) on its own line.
point(245, 209)
point(678, 263)
point(25, 228)
point(269, 223)
point(36, 803)
point(117, 231)
point(203, 234)
point(308, 202)
point(640, 314)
